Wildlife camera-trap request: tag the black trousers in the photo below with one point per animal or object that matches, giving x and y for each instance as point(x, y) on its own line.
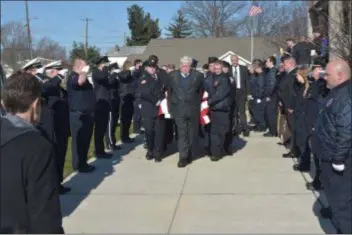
point(229, 133)
point(241, 99)
point(126, 112)
point(101, 119)
point(137, 118)
point(155, 134)
point(110, 134)
point(220, 123)
point(291, 126)
point(257, 110)
point(271, 111)
point(170, 130)
point(81, 131)
point(187, 130)
point(338, 191)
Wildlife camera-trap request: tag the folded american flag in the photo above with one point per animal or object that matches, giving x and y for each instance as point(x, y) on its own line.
point(204, 109)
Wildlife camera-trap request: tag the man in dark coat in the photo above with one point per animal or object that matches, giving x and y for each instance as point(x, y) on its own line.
point(57, 99)
point(315, 102)
point(152, 92)
point(81, 102)
point(220, 102)
point(332, 144)
point(101, 82)
point(287, 96)
point(29, 189)
point(241, 77)
point(271, 97)
point(186, 88)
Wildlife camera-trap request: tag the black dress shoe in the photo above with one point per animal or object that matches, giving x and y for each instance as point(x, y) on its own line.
point(104, 156)
point(301, 168)
point(215, 159)
point(149, 156)
point(63, 190)
point(314, 186)
point(288, 155)
point(326, 212)
point(182, 163)
point(86, 169)
point(158, 159)
point(268, 134)
point(128, 141)
point(246, 133)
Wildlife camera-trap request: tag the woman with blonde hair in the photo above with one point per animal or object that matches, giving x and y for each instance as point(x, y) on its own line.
point(127, 92)
point(301, 132)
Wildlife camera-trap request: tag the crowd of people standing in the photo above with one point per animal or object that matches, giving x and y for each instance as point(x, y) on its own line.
point(307, 104)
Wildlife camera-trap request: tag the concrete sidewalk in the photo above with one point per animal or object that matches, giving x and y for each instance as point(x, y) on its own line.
point(253, 191)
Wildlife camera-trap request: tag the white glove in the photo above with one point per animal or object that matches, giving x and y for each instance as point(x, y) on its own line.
point(339, 167)
point(250, 97)
point(140, 106)
point(267, 99)
point(158, 103)
point(259, 101)
point(85, 69)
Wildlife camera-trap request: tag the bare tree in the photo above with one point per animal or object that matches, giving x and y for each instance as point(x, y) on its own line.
point(14, 43)
point(214, 18)
point(49, 49)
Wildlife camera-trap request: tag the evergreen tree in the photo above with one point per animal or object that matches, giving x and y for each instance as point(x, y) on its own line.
point(180, 27)
point(143, 28)
point(78, 51)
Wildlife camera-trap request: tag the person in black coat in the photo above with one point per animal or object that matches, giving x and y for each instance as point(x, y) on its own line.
point(29, 189)
point(317, 93)
point(220, 103)
point(57, 99)
point(186, 88)
point(228, 139)
point(301, 133)
point(101, 82)
point(270, 95)
point(331, 142)
point(114, 113)
point(152, 92)
point(81, 102)
point(287, 96)
point(257, 93)
point(137, 118)
point(127, 97)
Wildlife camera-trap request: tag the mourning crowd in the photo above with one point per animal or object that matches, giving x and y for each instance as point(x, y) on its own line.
point(301, 98)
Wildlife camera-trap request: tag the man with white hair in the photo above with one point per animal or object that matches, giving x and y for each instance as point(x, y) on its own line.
point(185, 89)
point(332, 143)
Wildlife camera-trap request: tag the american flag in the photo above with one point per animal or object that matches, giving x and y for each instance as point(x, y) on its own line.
point(255, 10)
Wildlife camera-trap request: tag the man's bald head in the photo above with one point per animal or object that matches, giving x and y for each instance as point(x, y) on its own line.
point(234, 60)
point(337, 71)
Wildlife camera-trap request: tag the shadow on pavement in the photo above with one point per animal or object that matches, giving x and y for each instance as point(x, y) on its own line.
point(326, 224)
point(82, 184)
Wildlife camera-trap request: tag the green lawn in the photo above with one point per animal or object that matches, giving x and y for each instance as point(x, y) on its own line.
point(68, 163)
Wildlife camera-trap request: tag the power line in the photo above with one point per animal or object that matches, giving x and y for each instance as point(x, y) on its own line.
point(86, 37)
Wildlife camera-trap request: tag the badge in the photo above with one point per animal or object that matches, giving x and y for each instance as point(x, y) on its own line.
point(143, 82)
point(216, 83)
point(329, 103)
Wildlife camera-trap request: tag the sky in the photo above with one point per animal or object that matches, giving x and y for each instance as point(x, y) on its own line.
point(62, 20)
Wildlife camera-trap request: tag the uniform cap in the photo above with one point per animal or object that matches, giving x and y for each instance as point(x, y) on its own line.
point(194, 63)
point(33, 64)
point(150, 63)
point(54, 65)
point(101, 60)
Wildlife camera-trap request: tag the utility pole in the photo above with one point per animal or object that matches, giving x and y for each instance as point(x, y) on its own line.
point(86, 38)
point(28, 30)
